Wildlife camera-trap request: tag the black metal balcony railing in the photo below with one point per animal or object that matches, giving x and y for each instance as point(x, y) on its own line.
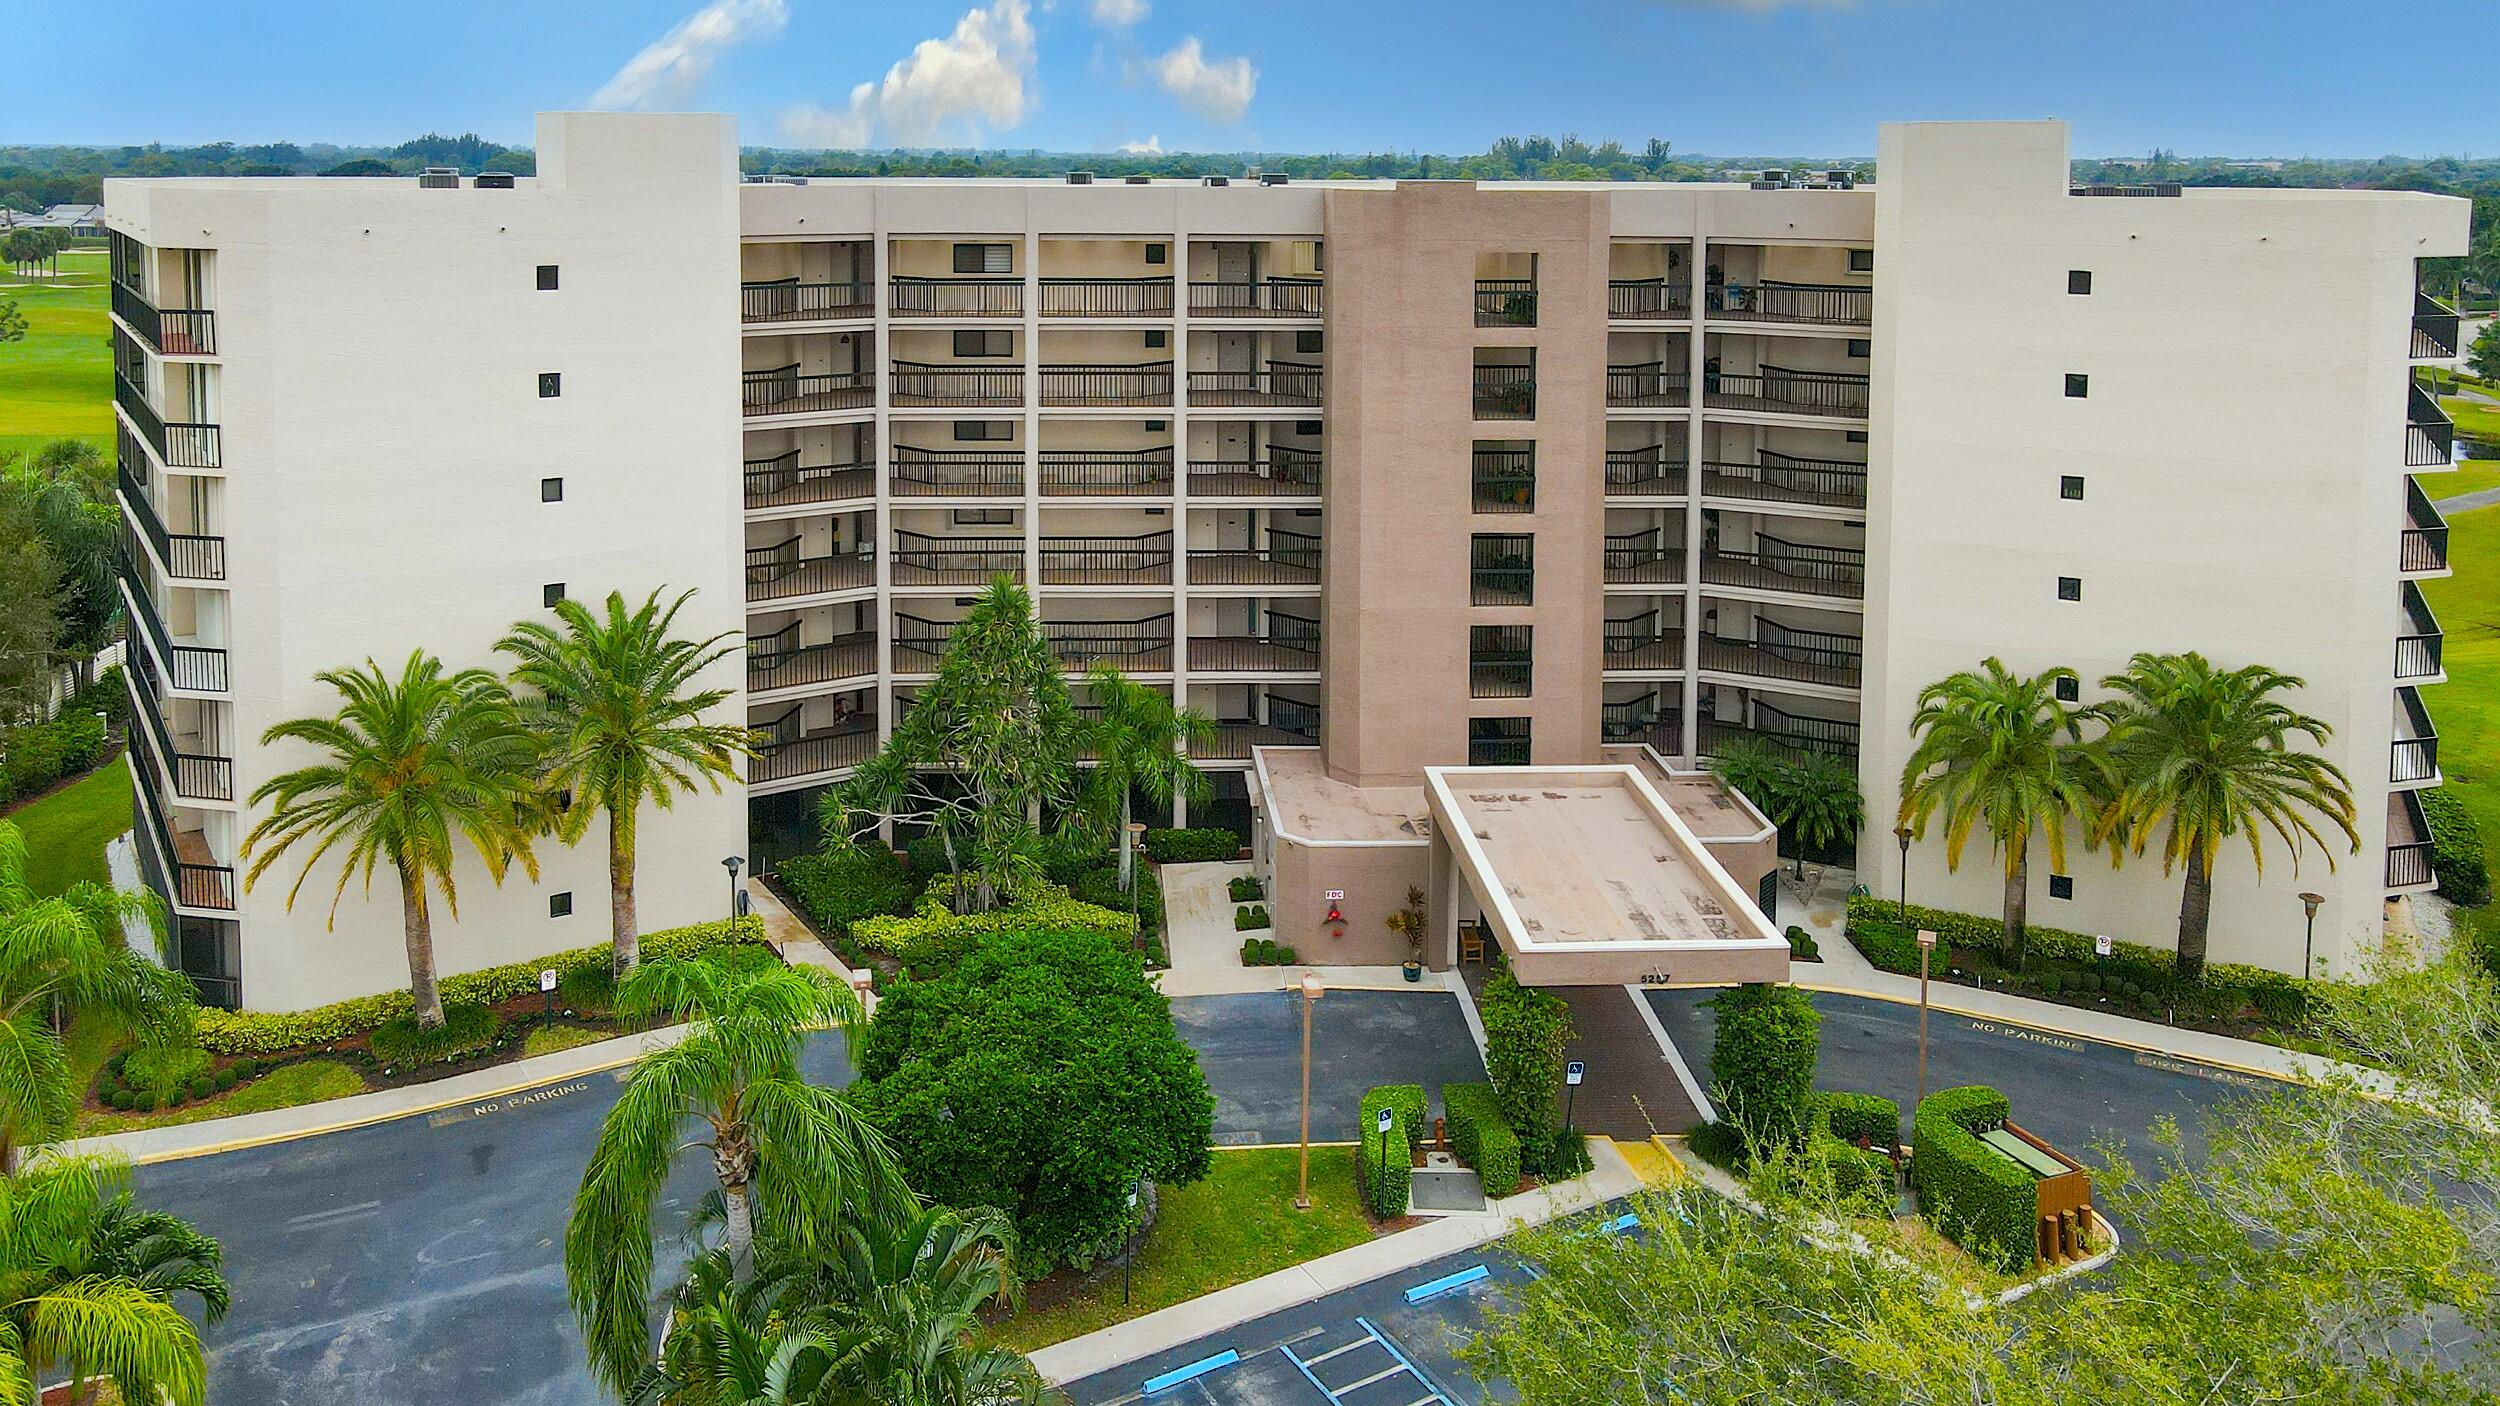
point(787, 752)
point(1506, 302)
point(1106, 473)
point(1642, 559)
point(955, 297)
point(1505, 392)
point(1784, 478)
point(2435, 331)
point(1642, 299)
point(1827, 304)
point(1794, 732)
point(923, 560)
point(781, 390)
point(1266, 297)
point(1290, 722)
point(1107, 561)
point(936, 383)
point(197, 776)
point(2409, 842)
point(919, 643)
point(182, 444)
point(2430, 437)
point(1141, 646)
point(1286, 472)
point(1783, 389)
point(783, 572)
point(195, 882)
point(778, 660)
point(1106, 297)
point(783, 481)
point(182, 331)
point(957, 473)
point(1775, 564)
point(1792, 655)
point(1644, 719)
point(1145, 383)
point(1280, 383)
point(2423, 545)
point(1288, 559)
point(789, 300)
point(1501, 569)
point(1648, 383)
point(2413, 757)
point(1290, 645)
point(187, 556)
point(1646, 472)
point(1643, 642)
point(128, 456)
point(1504, 480)
point(1497, 742)
point(1500, 676)
point(190, 667)
point(2418, 646)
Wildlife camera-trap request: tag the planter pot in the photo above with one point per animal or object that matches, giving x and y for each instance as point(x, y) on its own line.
point(1414, 970)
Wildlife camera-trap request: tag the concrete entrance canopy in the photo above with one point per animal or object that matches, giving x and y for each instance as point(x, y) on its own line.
point(1589, 877)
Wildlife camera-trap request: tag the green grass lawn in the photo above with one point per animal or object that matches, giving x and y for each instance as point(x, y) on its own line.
point(2470, 476)
point(59, 380)
point(67, 830)
point(2466, 708)
point(308, 1081)
point(1236, 1225)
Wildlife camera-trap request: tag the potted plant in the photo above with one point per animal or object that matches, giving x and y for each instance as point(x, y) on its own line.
point(1408, 922)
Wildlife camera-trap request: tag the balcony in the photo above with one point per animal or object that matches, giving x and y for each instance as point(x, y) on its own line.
point(1791, 732)
point(1643, 559)
point(919, 644)
point(2413, 757)
point(1147, 383)
point(1785, 478)
point(1289, 646)
point(1500, 675)
point(1817, 304)
point(782, 481)
point(1782, 390)
point(1108, 561)
point(781, 572)
point(2422, 548)
point(193, 331)
point(2418, 637)
point(1106, 473)
point(1645, 472)
point(937, 383)
point(1503, 480)
point(1804, 568)
point(2435, 332)
point(923, 560)
point(178, 862)
point(1290, 722)
point(955, 297)
point(1647, 719)
point(1288, 559)
point(1504, 392)
point(2408, 842)
point(778, 660)
point(193, 668)
point(180, 444)
point(1643, 642)
point(789, 300)
point(1265, 297)
point(1142, 646)
point(787, 751)
point(1647, 300)
point(1281, 383)
point(197, 775)
point(1106, 297)
point(1501, 568)
point(2430, 438)
point(1498, 742)
point(1506, 302)
point(781, 390)
point(957, 473)
point(1286, 472)
point(1781, 653)
point(187, 556)
point(1647, 384)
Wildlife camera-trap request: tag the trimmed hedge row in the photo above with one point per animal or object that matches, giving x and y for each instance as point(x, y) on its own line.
point(1482, 1136)
point(1976, 1198)
point(268, 1032)
point(1844, 1118)
point(1267, 952)
point(935, 936)
point(1762, 1060)
point(1245, 888)
point(1384, 1170)
point(1851, 1116)
point(1192, 846)
point(1525, 1030)
point(1801, 945)
point(839, 888)
point(1252, 917)
point(2457, 859)
point(39, 754)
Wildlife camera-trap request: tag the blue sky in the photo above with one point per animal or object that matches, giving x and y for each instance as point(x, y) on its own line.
point(1723, 77)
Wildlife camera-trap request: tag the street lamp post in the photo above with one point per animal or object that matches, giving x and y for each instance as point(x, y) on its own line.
point(731, 864)
point(1926, 947)
point(1137, 841)
point(1311, 992)
point(1902, 833)
point(2309, 943)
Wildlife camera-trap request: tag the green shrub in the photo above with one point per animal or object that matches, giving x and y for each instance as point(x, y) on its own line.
point(1569, 1156)
point(1266, 952)
point(1251, 918)
point(1720, 1144)
point(1245, 888)
point(271, 1032)
point(1385, 1171)
point(1762, 1059)
point(35, 756)
point(1801, 945)
point(244, 1068)
point(589, 988)
point(1100, 886)
point(202, 1086)
point(1975, 1197)
point(118, 1098)
point(466, 1030)
point(926, 857)
point(176, 1098)
point(839, 888)
point(1198, 846)
point(143, 1102)
point(1859, 1174)
point(934, 937)
point(226, 1078)
point(2456, 849)
point(1525, 1030)
point(160, 1071)
point(1482, 1137)
point(1851, 1116)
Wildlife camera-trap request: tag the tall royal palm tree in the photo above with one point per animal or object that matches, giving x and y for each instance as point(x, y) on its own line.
point(2206, 755)
point(2000, 751)
point(67, 955)
point(620, 707)
point(905, 1294)
point(1140, 742)
point(791, 1159)
point(87, 1284)
point(410, 768)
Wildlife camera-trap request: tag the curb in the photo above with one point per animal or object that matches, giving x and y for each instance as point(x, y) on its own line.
point(2029, 1023)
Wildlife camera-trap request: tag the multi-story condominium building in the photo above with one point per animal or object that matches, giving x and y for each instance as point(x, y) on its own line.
point(1393, 479)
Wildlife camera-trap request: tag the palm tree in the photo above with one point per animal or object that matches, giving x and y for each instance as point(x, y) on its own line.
point(622, 717)
point(905, 1295)
point(67, 956)
point(2003, 751)
point(412, 767)
point(87, 1284)
point(736, 1342)
point(2214, 754)
point(792, 1159)
point(1818, 802)
point(1140, 743)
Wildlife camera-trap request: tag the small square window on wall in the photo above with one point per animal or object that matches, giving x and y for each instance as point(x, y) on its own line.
point(1307, 343)
point(1158, 253)
point(2079, 282)
point(550, 384)
point(1306, 427)
point(550, 593)
point(2070, 588)
point(1860, 348)
point(1861, 261)
point(560, 905)
point(546, 278)
point(1853, 436)
point(1157, 340)
point(2070, 487)
point(985, 258)
point(2078, 385)
point(2069, 689)
point(2061, 886)
point(975, 343)
point(551, 490)
point(985, 429)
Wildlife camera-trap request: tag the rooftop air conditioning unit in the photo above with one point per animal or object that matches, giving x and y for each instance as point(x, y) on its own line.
point(439, 178)
point(1218, 180)
point(1273, 178)
point(1080, 178)
point(494, 180)
point(1139, 180)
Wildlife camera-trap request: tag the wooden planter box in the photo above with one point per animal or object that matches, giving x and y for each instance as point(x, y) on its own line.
point(2063, 1217)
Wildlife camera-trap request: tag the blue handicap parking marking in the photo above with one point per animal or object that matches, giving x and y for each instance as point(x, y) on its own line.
point(1192, 1371)
point(1448, 1283)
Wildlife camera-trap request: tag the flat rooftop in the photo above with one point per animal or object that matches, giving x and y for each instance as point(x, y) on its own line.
point(1706, 806)
point(1305, 803)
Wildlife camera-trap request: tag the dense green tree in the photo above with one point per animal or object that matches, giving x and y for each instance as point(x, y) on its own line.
point(12, 322)
point(30, 628)
point(2483, 356)
point(67, 493)
point(1139, 742)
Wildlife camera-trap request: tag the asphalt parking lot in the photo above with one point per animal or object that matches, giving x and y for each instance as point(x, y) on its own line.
point(1251, 1049)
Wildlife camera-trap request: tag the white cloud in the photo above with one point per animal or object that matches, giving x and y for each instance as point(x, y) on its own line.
point(1119, 14)
point(670, 69)
point(976, 77)
point(1151, 146)
point(1218, 91)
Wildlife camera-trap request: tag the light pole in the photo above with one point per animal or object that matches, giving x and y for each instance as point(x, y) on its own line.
point(1902, 833)
point(731, 864)
point(1137, 844)
point(1311, 992)
point(2309, 944)
point(1926, 946)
